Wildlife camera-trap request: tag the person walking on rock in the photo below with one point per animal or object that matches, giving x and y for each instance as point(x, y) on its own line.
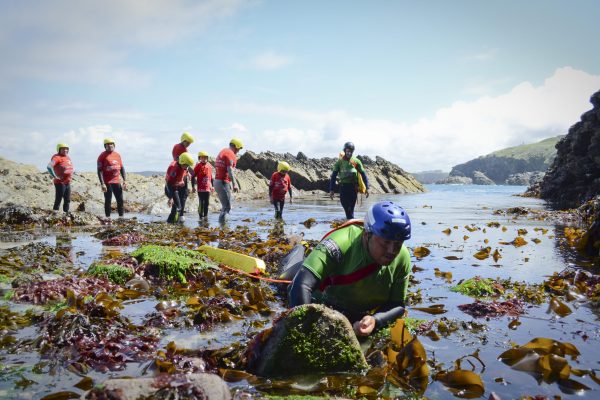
point(175, 186)
point(359, 267)
point(348, 168)
point(203, 174)
point(110, 172)
point(225, 181)
point(280, 185)
point(184, 143)
point(60, 168)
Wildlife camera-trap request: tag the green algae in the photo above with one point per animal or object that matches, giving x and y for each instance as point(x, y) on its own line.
point(172, 263)
point(117, 274)
point(478, 287)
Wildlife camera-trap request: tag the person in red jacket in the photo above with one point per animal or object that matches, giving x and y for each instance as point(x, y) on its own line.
point(110, 172)
point(204, 182)
point(61, 169)
point(175, 186)
point(182, 147)
point(280, 185)
point(225, 180)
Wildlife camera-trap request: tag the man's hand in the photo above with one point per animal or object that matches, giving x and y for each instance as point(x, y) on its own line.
point(235, 189)
point(331, 194)
point(124, 185)
point(365, 326)
point(103, 186)
point(170, 202)
point(367, 194)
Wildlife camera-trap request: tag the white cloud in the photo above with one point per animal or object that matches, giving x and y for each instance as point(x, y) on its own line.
point(270, 60)
point(454, 134)
point(91, 41)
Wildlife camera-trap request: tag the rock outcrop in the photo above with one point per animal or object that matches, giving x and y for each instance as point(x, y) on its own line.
point(311, 338)
point(311, 174)
point(500, 165)
point(574, 176)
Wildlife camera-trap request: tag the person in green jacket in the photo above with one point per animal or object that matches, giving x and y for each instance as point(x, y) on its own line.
point(348, 168)
point(359, 269)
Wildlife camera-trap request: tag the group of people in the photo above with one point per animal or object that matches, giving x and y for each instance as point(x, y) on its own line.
point(184, 170)
point(361, 268)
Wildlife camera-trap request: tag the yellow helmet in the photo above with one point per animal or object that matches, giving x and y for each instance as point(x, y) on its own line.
point(186, 159)
point(61, 146)
point(283, 166)
point(237, 143)
point(186, 136)
point(109, 141)
point(202, 154)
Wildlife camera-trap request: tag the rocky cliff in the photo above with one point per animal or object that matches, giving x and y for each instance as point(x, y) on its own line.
point(574, 176)
point(514, 165)
point(313, 174)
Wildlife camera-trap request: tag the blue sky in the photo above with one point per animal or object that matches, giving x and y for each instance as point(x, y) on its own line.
point(427, 85)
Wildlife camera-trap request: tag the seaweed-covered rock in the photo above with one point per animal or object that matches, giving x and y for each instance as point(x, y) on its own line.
point(310, 338)
point(16, 215)
point(170, 262)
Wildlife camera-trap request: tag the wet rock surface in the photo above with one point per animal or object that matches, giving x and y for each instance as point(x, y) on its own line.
point(194, 386)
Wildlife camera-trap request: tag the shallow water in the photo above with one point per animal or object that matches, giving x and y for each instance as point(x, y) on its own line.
point(442, 207)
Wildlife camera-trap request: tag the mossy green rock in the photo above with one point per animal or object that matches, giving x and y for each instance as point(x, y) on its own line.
point(115, 273)
point(309, 339)
point(172, 262)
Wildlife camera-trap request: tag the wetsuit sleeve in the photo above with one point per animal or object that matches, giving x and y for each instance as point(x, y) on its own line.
point(271, 186)
point(332, 180)
point(388, 313)
point(100, 176)
point(123, 173)
point(291, 191)
point(302, 286)
point(50, 169)
point(232, 176)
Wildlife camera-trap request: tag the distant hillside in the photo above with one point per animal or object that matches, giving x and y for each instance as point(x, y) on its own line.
point(427, 177)
point(514, 165)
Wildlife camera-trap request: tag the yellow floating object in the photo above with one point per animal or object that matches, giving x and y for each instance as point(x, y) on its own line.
point(235, 260)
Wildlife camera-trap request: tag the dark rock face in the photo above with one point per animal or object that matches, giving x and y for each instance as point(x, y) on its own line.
point(574, 176)
point(525, 178)
point(314, 174)
point(498, 169)
point(308, 338)
point(455, 180)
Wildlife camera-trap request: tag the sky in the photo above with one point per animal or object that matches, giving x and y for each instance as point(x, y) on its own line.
point(426, 85)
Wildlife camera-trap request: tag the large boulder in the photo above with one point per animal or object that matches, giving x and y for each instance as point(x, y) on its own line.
point(574, 176)
point(310, 338)
point(313, 174)
point(479, 178)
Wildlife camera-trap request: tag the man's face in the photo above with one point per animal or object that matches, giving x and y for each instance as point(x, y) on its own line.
point(185, 144)
point(63, 151)
point(384, 251)
point(109, 147)
point(348, 152)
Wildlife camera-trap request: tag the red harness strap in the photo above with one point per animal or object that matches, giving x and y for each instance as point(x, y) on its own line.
point(355, 276)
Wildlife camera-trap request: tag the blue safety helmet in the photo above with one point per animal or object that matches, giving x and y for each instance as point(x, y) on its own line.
point(388, 220)
point(349, 145)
